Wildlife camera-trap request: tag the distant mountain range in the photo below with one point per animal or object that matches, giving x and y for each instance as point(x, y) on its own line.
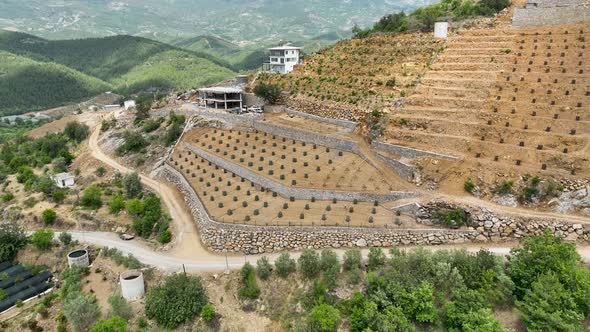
point(55, 52)
point(244, 22)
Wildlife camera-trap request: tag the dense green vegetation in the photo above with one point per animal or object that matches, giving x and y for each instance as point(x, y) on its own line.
point(12, 239)
point(420, 290)
point(46, 73)
point(29, 85)
point(425, 17)
point(179, 299)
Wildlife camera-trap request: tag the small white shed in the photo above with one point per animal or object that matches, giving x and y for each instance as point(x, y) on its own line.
point(64, 180)
point(129, 104)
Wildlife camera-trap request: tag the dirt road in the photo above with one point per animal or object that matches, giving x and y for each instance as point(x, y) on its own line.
point(212, 263)
point(187, 241)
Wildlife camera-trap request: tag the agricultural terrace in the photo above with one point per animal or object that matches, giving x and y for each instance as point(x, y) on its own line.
point(293, 121)
point(359, 74)
point(509, 100)
point(291, 162)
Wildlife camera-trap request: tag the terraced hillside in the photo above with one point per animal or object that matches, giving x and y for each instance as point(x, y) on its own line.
point(507, 102)
point(357, 75)
point(257, 178)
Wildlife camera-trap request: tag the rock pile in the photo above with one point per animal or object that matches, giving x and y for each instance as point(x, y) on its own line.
point(492, 227)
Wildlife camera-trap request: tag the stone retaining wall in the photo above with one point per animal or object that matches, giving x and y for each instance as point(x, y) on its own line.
point(404, 170)
point(554, 3)
point(308, 137)
point(297, 193)
point(258, 239)
point(406, 152)
point(550, 15)
point(349, 125)
point(496, 228)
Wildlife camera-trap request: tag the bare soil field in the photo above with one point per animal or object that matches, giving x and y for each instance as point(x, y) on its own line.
point(287, 120)
point(231, 199)
point(293, 163)
point(508, 102)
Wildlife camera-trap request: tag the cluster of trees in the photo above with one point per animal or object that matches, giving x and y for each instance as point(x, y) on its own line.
point(425, 17)
point(82, 311)
point(146, 209)
point(21, 155)
point(451, 290)
point(134, 140)
point(270, 92)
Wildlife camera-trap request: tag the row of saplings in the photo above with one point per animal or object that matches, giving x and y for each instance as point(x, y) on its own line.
point(423, 290)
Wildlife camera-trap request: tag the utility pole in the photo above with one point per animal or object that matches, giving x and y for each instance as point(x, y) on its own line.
point(226, 272)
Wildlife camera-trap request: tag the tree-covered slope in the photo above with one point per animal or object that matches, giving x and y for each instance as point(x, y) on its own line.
point(171, 70)
point(107, 58)
point(29, 85)
point(50, 73)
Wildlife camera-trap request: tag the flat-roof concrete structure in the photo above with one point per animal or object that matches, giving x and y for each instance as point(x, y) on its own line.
point(64, 180)
point(221, 97)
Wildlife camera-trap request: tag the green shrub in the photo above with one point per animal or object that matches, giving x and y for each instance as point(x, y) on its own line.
point(7, 197)
point(132, 184)
point(119, 307)
point(285, 265)
point(309, 263)
point(263, 268)
point(453, 218)
point(76, 131)
point(375, 259)
point(208, 313)
point(49, 216)
point(113, 324)
point(42, 239)
point(249, 289)
point(116, 204)
point(528, 193)
point(65, 238)
point(352, 259)
point(91, 197)
point(468, 185)
point(271, 93)
point(324, 318)
point(165, 236)
point(100, 171)
point(81, 310)
point(178, 300)
point(505, 187)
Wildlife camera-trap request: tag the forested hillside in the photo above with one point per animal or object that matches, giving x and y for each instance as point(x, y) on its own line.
point(240, 58)
point(122, 63)
point(27, 85)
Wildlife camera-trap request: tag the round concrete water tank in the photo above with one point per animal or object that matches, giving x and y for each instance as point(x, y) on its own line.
point(132, 287)
point(79, 258)
point(441, 29)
